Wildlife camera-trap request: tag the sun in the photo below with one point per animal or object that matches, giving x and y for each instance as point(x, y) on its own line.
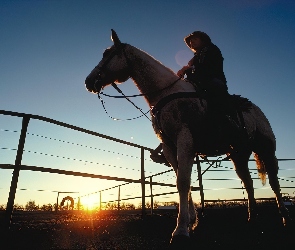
point(90, 202)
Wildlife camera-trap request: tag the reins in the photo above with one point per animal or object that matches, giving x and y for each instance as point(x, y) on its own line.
point(142, 94)
point(127, 98)
point(117, 119)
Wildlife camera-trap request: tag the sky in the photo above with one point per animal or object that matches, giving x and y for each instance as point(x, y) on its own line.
point(49, 47)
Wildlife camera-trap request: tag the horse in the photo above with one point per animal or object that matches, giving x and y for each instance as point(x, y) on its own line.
point(179, 115)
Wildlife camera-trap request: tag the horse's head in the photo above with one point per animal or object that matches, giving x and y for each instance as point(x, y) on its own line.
point(112, 68)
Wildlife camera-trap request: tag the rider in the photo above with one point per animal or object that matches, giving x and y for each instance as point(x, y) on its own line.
point(205, 71)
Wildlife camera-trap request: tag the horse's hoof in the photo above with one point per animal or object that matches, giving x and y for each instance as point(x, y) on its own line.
point(288, 222)
point(253, 218)
point(193, 224)
point(180, 242)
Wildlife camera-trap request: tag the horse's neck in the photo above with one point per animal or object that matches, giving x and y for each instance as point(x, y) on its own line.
point(149, 75)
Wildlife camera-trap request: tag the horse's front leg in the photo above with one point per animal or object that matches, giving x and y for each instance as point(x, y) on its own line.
point(192, 213)
point(171, 156)
point(185, 156)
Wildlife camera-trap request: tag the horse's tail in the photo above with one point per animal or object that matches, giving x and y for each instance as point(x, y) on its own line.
point(261, 168)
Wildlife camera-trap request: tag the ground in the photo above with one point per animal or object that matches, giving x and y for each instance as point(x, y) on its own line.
point(225, 228)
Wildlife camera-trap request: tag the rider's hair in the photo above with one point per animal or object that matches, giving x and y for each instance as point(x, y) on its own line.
point(203, 36)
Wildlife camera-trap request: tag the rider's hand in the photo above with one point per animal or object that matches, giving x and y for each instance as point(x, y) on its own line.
point(182, 71)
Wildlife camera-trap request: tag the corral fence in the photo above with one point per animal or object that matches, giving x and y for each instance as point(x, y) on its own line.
point(17, 167)
point(143, 181)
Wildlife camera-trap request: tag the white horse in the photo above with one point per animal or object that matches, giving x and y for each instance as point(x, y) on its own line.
point(180, 120)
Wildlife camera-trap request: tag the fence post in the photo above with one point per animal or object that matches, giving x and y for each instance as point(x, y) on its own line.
point(99, 200)
point(119, 197)
point(78, 203)
point(143, 213)
point(152, 198)
point(56, 207)
point(15, 174)
point(200, 182)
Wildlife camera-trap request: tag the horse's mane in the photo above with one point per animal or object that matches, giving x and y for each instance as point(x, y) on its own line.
point(145, 56)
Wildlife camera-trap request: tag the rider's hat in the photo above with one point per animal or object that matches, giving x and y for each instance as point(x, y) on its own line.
point(200, 34)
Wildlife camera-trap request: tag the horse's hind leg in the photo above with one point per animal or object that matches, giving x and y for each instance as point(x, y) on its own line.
point(240, 160)
point(271, 166)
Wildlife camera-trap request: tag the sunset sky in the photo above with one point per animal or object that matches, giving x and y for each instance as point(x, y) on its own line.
point(49, 47)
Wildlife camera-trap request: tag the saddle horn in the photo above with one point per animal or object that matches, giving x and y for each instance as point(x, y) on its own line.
point(115, 38)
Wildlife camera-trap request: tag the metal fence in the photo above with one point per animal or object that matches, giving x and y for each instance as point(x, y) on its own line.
point(18, 166)
point(145, 179)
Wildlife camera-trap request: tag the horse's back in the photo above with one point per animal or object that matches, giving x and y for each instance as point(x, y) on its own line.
point(262, 125)
point(261, 135)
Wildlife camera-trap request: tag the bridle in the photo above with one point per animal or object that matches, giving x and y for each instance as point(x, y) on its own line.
point(100, 69)
point(98, 78)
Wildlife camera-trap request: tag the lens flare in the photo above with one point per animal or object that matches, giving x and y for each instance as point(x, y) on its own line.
point(182, 57)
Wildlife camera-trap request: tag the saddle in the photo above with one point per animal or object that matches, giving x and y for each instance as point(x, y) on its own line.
point(229, 111)
point(232, 107)
point(220, 101)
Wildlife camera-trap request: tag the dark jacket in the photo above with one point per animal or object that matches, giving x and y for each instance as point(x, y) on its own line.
point(208, 64)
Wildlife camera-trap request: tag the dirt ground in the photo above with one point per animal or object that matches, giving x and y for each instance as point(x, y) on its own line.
point(218, 229)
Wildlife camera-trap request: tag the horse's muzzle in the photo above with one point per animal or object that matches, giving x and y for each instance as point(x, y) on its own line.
point(92, 86)
point(97, 87)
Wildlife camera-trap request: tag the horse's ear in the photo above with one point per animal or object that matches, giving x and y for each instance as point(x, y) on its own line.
point(115, 38)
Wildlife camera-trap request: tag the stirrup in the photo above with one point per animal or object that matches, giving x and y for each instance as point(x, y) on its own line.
point(159, 158)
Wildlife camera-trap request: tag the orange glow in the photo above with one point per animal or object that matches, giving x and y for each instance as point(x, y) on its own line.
point(90, 203)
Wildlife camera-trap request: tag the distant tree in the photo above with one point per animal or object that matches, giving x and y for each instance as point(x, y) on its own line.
point(17, 207)
point(31, 206)
point(175, 203)
point(126, 206)
point(55, 206)
point(47, 207)
point(111, 206)
point(139, 206)
point(148, 205)
point(79, 205)
point(170, 203)
point(156, 204)
point(129, 206)
point(123, 206)
point(2, 207)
